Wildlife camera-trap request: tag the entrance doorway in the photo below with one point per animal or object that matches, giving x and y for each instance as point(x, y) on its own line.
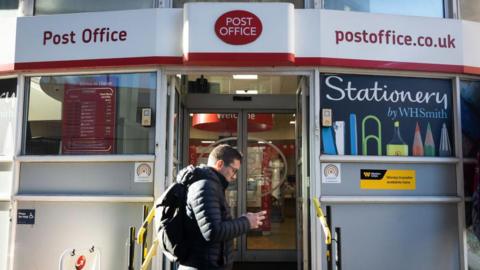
point(267, 180)
point(263, 119)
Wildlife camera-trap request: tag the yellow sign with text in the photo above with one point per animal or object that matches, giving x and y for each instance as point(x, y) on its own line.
point(388, 179)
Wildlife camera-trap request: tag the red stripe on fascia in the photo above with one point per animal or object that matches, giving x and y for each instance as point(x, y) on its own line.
point(240, 59)
point(471, 70)
point(355, 63)
point(111, 62)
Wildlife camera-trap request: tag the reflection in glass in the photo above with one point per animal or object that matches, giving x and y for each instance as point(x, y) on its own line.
point(427, 8)
point(91, 114)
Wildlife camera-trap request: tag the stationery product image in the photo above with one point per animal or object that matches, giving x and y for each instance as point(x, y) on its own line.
point(377, 138)
point(353, 134)
point(339, 128)
point(397, 146)
point(444, 149)
point(417, 147)
point(328, 141)
point(429, 147)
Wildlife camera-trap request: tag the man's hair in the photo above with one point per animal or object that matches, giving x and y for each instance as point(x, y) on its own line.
point(224, 152)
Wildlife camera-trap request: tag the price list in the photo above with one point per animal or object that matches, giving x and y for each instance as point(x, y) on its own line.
point(88, 120)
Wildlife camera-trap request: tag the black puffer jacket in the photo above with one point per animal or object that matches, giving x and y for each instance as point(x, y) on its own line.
point(210, 229)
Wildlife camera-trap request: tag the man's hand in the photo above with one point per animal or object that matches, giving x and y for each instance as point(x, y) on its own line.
point(256, 219)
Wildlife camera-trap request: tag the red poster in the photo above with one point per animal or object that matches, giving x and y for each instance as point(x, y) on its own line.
point(88, 125)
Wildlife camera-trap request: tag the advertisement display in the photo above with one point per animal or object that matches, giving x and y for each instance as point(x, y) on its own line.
point(386, 116)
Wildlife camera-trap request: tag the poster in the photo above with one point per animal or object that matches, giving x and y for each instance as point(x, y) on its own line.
point(88, 125)
point(386, 116)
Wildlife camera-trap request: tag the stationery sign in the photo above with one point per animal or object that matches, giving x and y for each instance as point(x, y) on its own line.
point(88, 125)
point(383, 115)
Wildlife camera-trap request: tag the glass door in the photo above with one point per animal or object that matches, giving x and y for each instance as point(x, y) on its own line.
point(270, 184)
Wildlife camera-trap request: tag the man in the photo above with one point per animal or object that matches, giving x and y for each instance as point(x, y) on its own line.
point(209, 227)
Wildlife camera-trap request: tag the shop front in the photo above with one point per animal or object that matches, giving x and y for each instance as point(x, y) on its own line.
point(370, 114)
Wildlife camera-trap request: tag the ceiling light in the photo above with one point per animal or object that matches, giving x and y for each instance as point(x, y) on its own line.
point(246, 92)
point(245, 76)
point(209, 142)
point(292, 122)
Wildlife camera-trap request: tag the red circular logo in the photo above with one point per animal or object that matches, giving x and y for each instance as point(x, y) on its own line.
point(238, 27)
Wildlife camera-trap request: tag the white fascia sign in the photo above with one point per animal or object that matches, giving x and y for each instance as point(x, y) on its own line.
point(99, 37)
point(250, 33)
point(358, 39)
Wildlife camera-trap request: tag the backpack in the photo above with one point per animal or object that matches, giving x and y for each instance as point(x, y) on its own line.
point(171, 216)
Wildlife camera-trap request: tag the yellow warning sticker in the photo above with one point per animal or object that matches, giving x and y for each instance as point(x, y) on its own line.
point(388, 179)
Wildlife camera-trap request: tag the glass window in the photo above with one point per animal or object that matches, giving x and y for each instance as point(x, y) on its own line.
point(8, 105)
point(8, 4)
point(297, 3)
point(8, 8)
point(427, 8)
point(44, 7)
point(91, 114)
point(470, 10)
point(470, 111)
point(470, 116)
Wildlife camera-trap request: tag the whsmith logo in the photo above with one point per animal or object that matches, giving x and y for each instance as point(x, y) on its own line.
point(372, 174)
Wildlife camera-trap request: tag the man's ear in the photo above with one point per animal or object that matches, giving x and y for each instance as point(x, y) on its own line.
point(219, 164)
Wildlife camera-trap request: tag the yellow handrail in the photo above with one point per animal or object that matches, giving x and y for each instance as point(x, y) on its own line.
point(146, 222)
point(151, 253)
point(323, 221)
